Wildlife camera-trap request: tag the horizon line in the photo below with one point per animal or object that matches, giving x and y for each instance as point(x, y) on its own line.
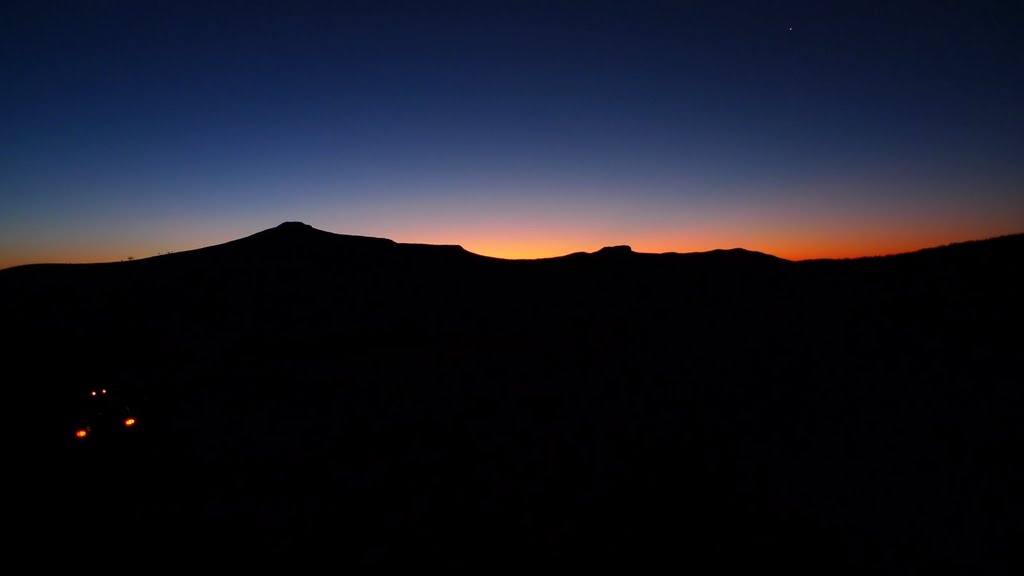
point(5, 266)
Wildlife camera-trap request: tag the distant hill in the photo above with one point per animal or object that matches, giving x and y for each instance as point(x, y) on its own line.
point(371, 402)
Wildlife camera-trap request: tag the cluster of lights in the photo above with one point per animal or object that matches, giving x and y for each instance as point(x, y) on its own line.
point(82, 433)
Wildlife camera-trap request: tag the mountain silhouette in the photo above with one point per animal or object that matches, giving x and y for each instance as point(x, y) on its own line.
point(371, 402)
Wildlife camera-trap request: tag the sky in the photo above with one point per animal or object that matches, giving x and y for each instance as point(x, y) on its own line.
point(516, 129)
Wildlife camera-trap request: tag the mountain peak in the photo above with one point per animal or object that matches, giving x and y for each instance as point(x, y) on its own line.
point(293, 226)
point(615, 250)
point(291, 230)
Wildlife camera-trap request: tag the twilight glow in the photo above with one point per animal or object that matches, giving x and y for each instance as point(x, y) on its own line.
point(516, 129)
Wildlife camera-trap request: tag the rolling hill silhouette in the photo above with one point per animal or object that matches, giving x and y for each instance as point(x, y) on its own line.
point(304, 392)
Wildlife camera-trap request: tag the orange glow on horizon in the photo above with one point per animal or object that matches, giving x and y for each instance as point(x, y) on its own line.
point(788, 238)
point(782, 248)
point(533, 248)
point(129, 422)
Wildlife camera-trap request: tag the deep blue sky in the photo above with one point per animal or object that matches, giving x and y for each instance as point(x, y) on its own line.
point(514, 128)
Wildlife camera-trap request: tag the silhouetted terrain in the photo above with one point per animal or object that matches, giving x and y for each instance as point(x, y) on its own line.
point(304, 392)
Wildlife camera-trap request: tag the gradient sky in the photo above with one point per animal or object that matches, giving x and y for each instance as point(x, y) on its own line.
point(516, 129)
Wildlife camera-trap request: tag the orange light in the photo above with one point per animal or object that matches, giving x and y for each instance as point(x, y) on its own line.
point(129, 422)
point(93, 393)
point(81, 434)
point(104, 391)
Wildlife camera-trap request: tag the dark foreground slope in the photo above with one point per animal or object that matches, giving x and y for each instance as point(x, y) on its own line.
point(301, 392)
